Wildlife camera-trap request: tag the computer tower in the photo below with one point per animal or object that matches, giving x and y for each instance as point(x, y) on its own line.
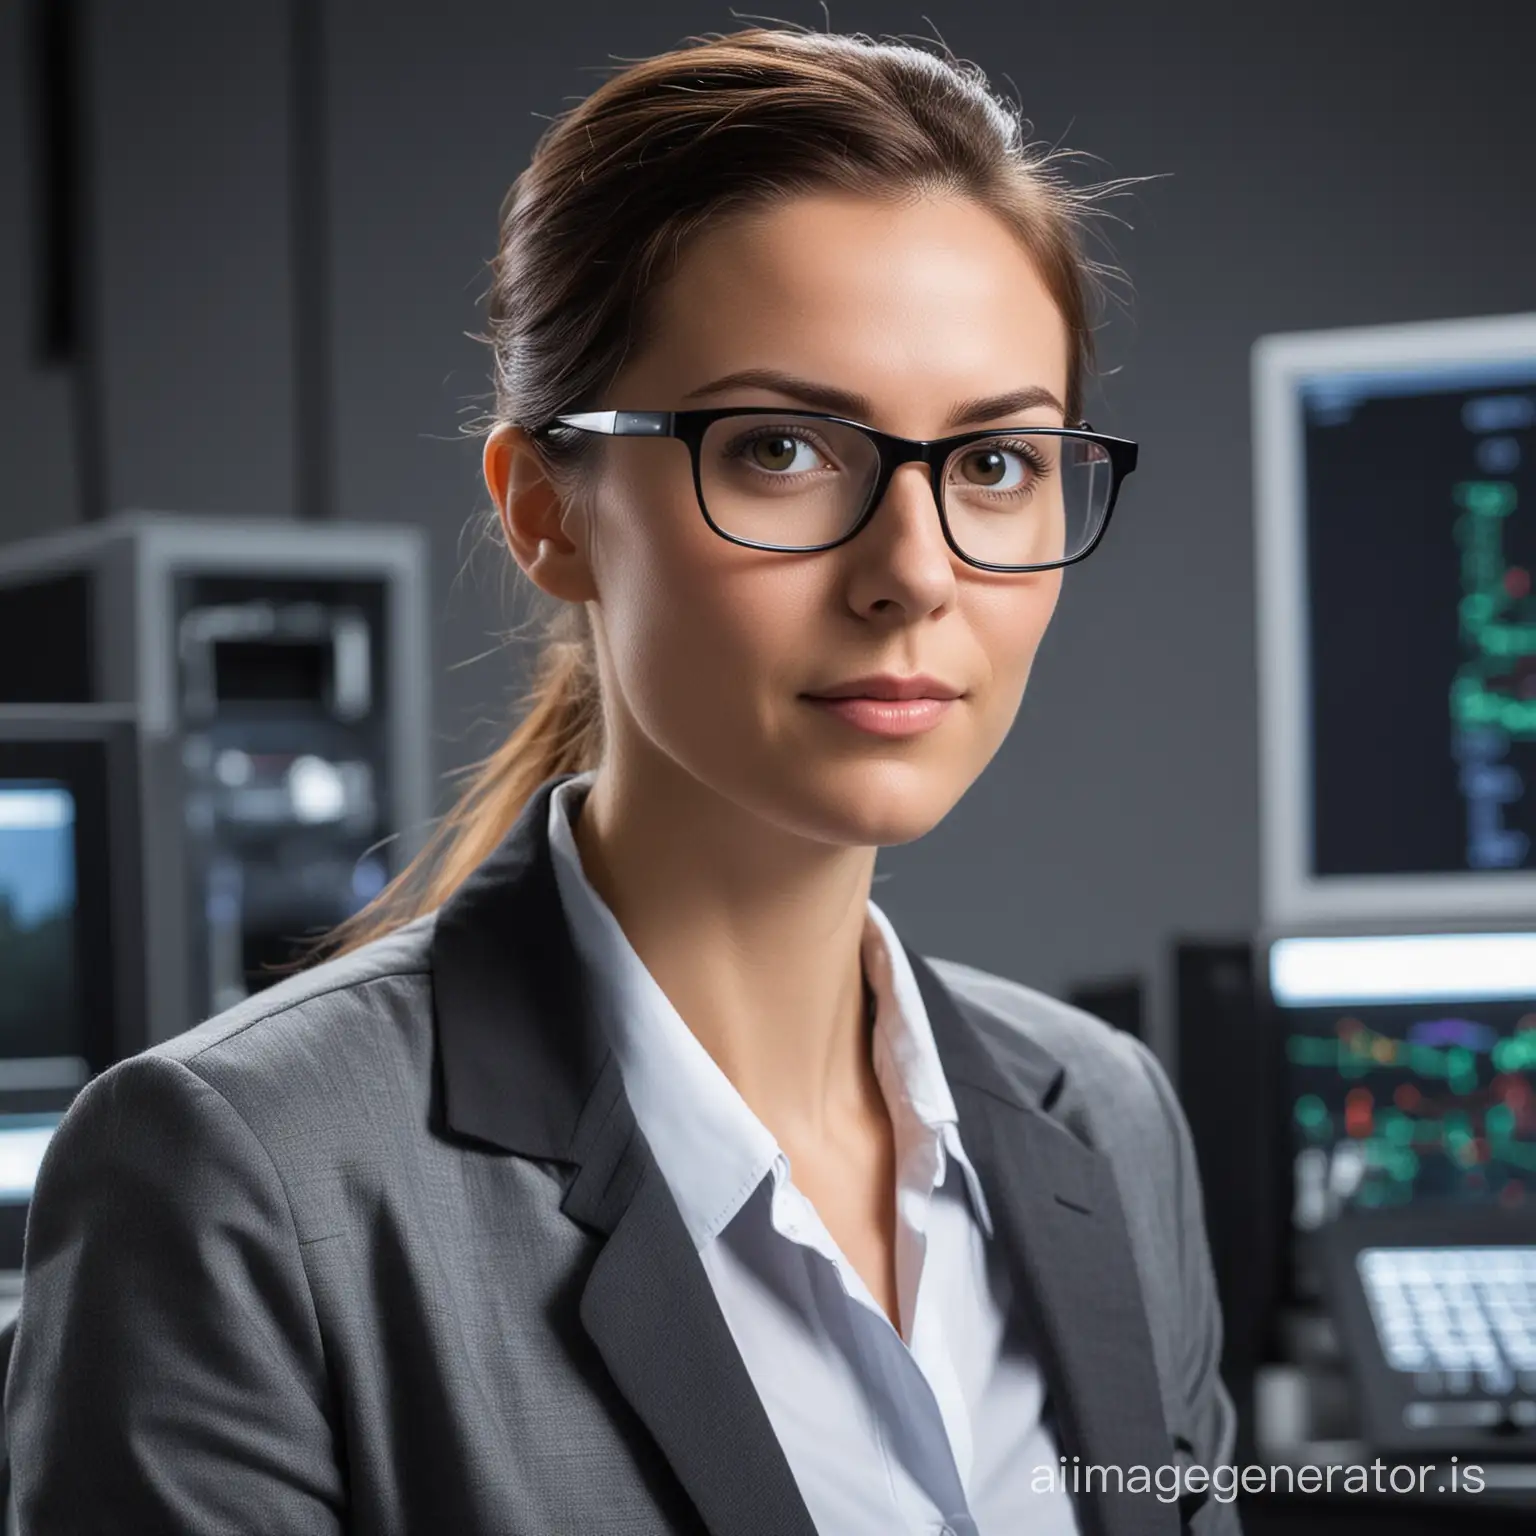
point(279, 676)
point(1223, 1072)
point(1117, 1000)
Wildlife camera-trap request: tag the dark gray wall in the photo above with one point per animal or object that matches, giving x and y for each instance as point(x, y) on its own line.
point(1320, 165)
point(37, 481)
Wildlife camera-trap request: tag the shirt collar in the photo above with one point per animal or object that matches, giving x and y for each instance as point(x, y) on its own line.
point(906, 1057)
point(709, 1146)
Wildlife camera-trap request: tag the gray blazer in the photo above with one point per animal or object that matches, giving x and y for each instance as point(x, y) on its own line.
point(380, 1250)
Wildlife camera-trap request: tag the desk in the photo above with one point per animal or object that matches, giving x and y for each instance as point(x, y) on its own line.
point(1302, 1417)
point(1301, 1514)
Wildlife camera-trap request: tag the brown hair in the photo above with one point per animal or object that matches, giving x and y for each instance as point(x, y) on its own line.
point(661, 150)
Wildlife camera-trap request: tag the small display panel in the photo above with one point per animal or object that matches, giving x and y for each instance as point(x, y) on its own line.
point(39, 1003)
point(1410, 1075)
point(23, 1140)
point(1396, 1103)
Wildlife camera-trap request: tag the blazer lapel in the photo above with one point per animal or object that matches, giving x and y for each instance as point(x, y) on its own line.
point(1057, 1211)
point(525, 1066)
point(649, 1308)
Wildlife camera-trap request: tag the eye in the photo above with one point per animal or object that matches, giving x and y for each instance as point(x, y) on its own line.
point(994, 467)
point(780, 453)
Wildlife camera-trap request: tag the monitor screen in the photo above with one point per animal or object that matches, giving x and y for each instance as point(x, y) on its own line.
point(39, 1003)
point(1420, 492)
point(1410, 1072)
point(23, 1140)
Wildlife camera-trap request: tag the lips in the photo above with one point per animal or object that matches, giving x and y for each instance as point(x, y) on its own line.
point(889, 718)
point(889, 687)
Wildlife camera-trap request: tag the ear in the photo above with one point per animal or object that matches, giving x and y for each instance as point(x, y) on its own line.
point(533, 512)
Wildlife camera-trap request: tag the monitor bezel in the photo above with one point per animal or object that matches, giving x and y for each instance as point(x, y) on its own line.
point(93, 749)
point(1291, 893)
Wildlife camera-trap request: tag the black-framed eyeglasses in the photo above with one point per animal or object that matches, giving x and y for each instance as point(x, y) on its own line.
point(1009, 498)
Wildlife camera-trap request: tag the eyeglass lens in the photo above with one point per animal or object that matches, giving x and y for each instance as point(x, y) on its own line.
point(796, 482)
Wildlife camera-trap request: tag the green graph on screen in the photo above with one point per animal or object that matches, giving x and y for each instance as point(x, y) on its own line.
point(1493, 692)
point(1447, 1108)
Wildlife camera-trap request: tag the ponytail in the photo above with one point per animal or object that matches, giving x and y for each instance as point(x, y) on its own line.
point(560, 732)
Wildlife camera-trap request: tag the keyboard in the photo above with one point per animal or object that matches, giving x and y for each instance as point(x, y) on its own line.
point(1458, 1326)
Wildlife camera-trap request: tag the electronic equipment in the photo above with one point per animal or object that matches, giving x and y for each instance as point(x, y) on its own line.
point(1408, 1072)
point(1224, 1088)
point(71, 926)
point(1396, 555)
point(1437, 1311)
point(278, 676)
point(1117, 1000)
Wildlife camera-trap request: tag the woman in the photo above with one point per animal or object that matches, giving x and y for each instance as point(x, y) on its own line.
point(621, 1170)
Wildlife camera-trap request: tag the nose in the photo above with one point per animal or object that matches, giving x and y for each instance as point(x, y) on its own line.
point(900, 557)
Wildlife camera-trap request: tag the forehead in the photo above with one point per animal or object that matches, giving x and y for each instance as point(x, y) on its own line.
point(914, 303)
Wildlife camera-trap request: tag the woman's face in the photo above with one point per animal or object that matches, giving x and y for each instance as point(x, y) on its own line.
point(712, 654)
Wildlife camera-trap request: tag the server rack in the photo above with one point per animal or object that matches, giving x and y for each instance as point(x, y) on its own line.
point(279, 674)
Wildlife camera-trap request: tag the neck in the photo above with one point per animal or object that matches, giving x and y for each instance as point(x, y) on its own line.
point(753, 932)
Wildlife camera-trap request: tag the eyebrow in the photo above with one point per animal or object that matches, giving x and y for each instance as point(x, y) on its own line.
point(845, 402)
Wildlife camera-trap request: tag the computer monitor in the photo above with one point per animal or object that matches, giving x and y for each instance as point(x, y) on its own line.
point(71, 938)
point(1395, 494)
point(1409, 1070)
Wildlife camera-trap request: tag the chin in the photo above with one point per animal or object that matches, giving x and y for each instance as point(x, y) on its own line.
point(871, 804)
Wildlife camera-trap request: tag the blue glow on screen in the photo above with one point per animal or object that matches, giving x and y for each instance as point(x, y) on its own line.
point(23, 1140)
point(37, 852)
point(38, 1002)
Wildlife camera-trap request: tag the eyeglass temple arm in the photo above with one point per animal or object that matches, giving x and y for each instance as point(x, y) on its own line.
point(620, 423)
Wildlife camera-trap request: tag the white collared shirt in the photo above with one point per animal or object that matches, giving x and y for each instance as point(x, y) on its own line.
point(934, 1429)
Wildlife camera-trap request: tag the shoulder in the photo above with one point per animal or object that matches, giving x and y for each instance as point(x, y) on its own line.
point(318, 1058)
point(337, 1000)
point(1113, 1095)
point(350, 1004)
point(1107, 1073)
